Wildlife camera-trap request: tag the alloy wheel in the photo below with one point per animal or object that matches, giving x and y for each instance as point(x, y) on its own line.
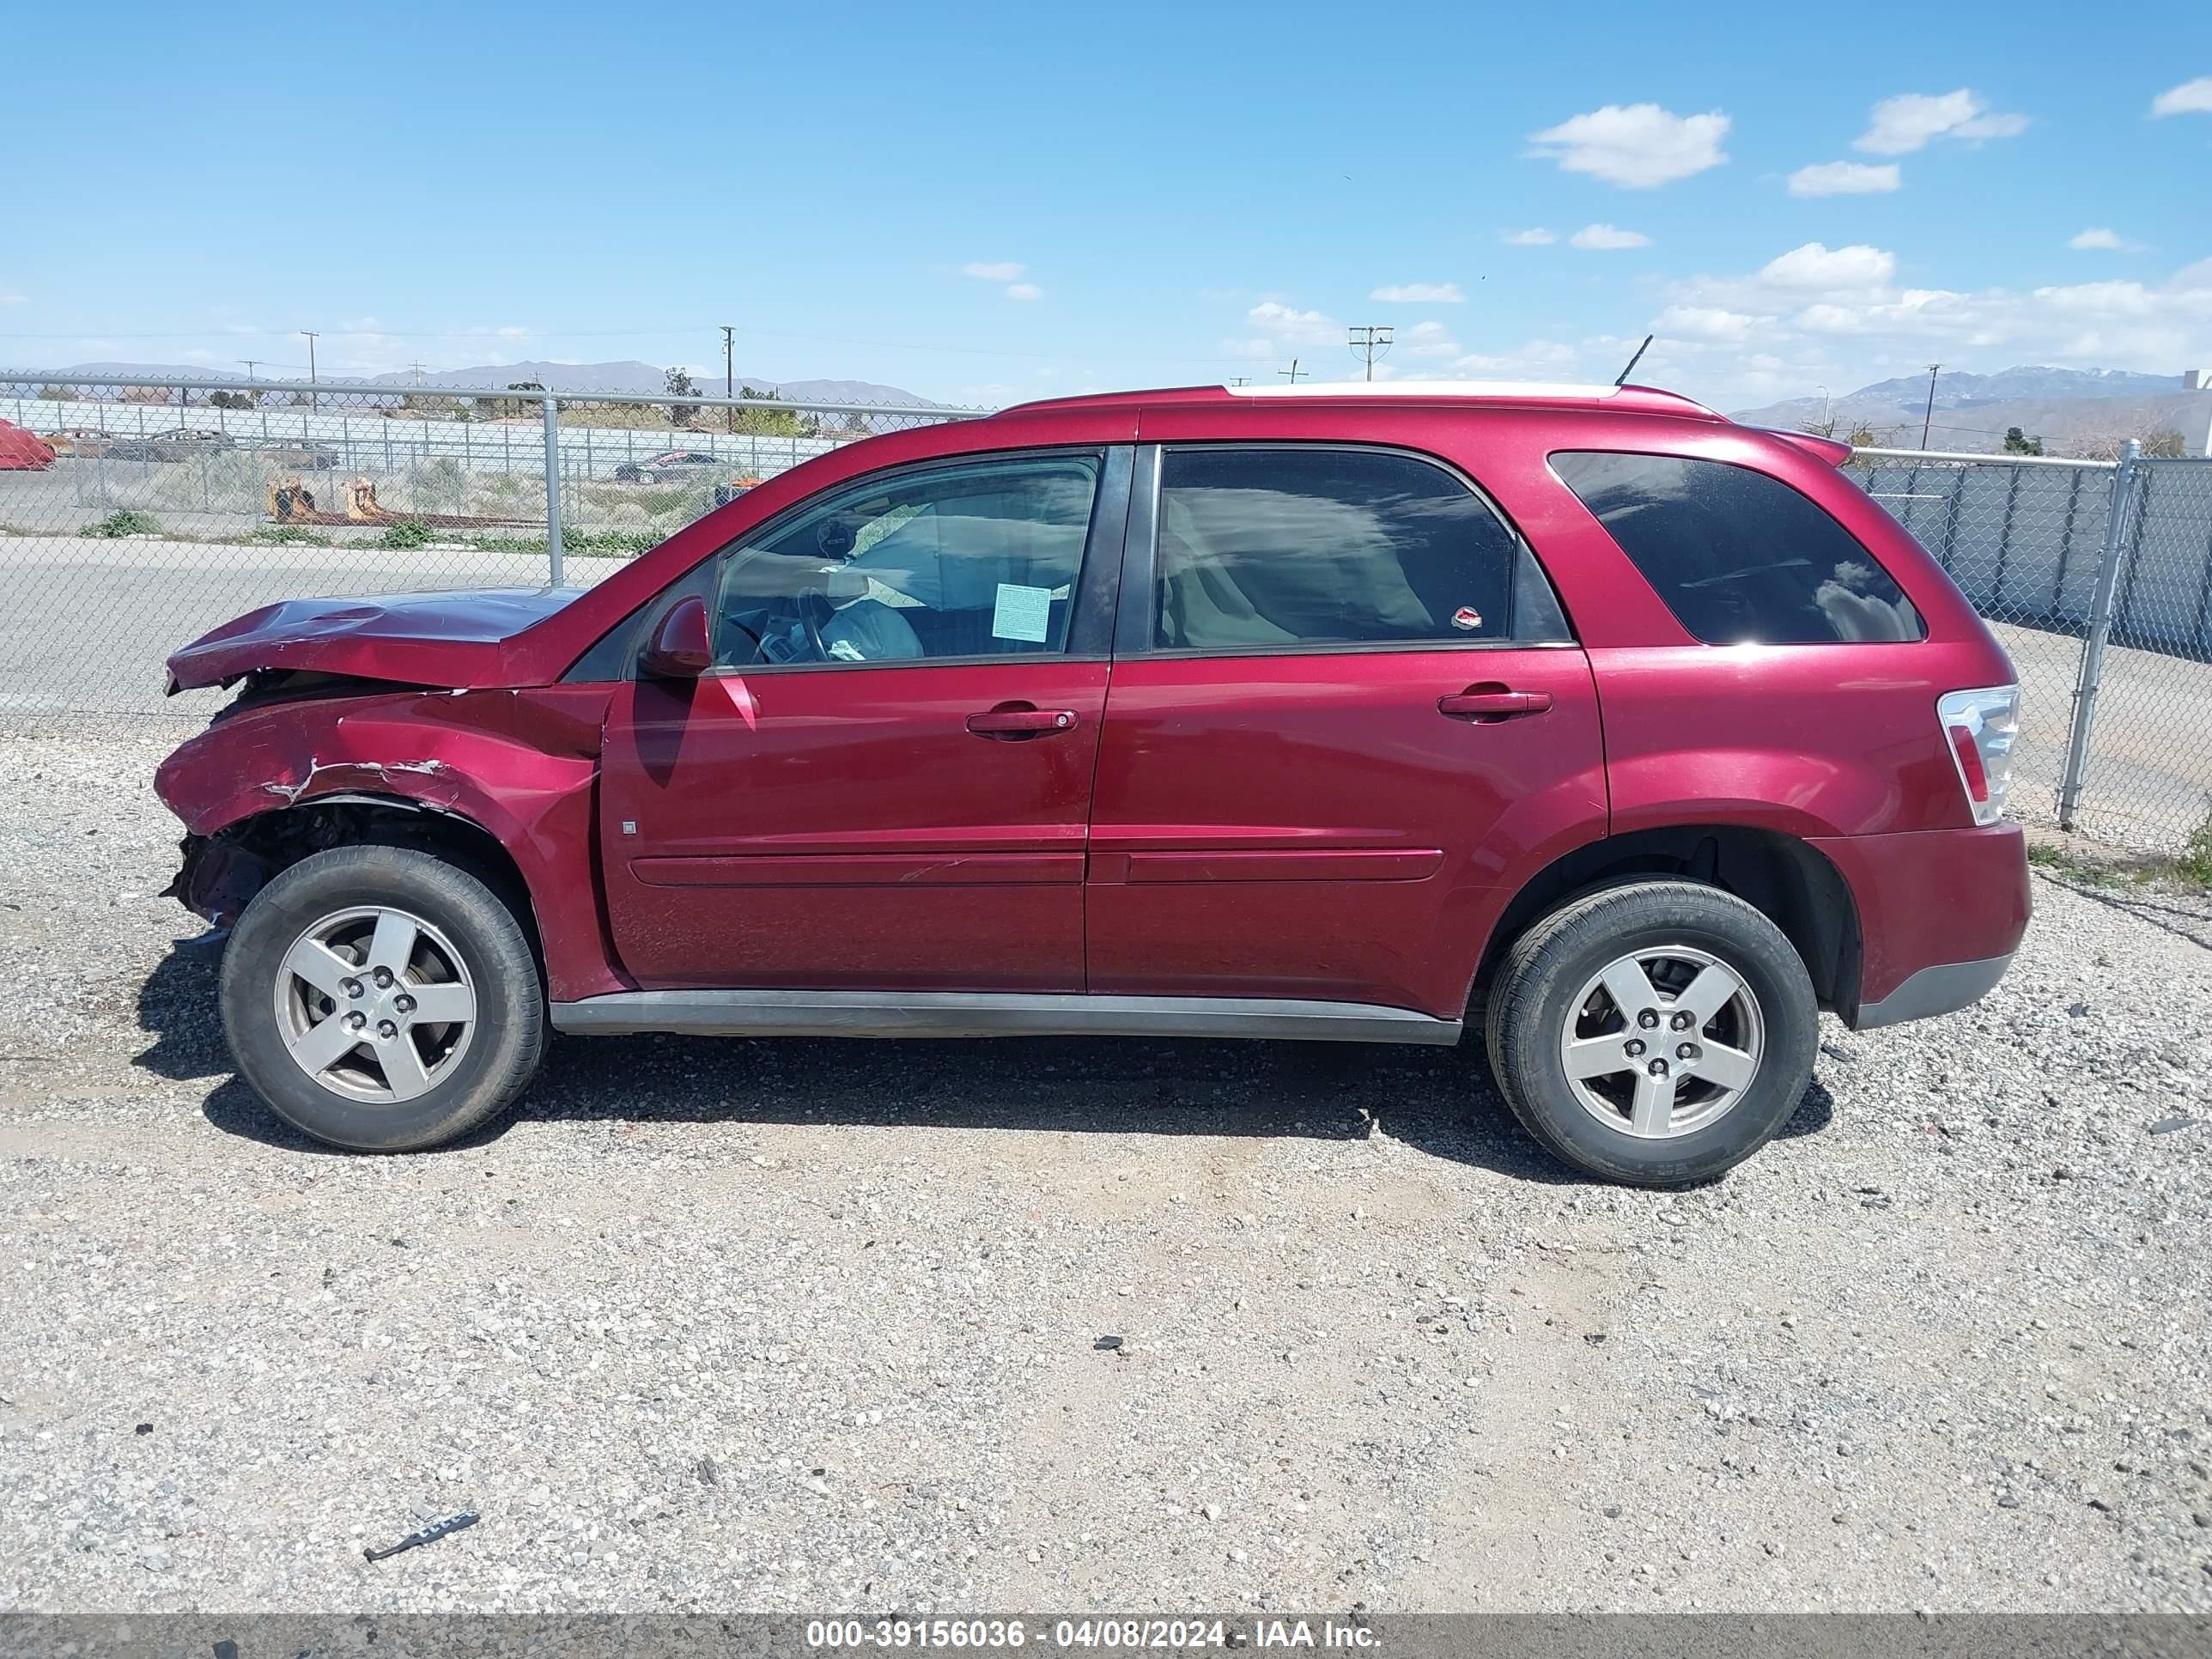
point(375, 1003)
point(1662, 1042)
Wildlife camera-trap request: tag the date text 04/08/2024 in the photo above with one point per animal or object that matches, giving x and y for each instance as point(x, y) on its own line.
point(1105, 1634)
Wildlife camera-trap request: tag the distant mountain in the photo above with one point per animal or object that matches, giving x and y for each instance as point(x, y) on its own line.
point(1959, 391)
point(152, 372)
point(2071, 410)
point(633, 377)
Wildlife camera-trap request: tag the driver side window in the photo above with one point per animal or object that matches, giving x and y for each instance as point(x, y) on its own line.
point(972, 559)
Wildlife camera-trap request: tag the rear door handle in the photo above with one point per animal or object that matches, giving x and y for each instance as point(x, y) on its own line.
point(1492, 703)
point(1019, 720)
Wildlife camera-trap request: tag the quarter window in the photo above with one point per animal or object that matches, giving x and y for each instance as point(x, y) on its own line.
point(1738, 556)
point(974, 560)
point(1293, 546)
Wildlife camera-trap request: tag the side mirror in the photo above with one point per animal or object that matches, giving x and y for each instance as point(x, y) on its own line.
point(681, 649)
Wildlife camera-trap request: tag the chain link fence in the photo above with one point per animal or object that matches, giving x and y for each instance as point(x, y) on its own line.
point(2097, 577)
point(141, 513)
point(138, 514)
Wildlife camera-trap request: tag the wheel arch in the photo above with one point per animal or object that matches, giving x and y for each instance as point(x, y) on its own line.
point(1790, 882)
point(224, 870)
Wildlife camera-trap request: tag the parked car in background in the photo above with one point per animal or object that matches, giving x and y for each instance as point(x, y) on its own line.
point(303, 456)
point(22, 450)
point(79, 441)
point(1582, 717)
point(177, 444)
point(671, 466)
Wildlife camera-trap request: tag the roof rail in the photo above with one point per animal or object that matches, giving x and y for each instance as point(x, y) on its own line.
point(1643, 398)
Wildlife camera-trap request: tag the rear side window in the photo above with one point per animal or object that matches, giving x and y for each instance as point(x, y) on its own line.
point(1278, 548)
point(1738, 556)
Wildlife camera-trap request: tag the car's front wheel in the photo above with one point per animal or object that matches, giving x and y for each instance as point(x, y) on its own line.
point(381, 998)
point(1657, 1033)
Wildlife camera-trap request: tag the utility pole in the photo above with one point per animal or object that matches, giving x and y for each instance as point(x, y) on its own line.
point(417, 366)
point(250, 364)
point(310, 333)
point(1929, 415)
point(1241, 380)
point(1292, 373)
point(1368, 342)
point(729, 385)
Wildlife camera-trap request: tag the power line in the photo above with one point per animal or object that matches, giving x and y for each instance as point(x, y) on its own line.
point(729, 335)
point(1368, 342)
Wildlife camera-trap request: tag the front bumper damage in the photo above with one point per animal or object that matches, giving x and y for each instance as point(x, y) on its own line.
point(217, 878)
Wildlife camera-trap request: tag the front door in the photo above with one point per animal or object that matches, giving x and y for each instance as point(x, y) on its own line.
point(1344, 705)
point(884, 782)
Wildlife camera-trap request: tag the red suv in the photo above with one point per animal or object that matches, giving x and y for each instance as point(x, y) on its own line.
point(1362, 712)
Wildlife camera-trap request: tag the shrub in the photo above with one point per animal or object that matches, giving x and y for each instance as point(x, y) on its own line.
point(124, 521)
point(2196, 861)
point(285, 535)
point(404, 533)
point(435, 483)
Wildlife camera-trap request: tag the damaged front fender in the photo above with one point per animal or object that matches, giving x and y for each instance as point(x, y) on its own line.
point(264, 786)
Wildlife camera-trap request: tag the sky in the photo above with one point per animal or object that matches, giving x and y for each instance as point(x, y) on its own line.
point(986, 202)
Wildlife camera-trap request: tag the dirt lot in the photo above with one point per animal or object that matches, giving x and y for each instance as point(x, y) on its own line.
point(809, 1326)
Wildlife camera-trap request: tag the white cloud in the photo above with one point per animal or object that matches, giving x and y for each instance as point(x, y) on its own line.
point(1909, 121)
point(1290, 326)
point(1428, 339)
point(994, 270)
point(2190, 98)
point(1704, 323)
point(1416, 294)
point(9, 297)
point(1608, 236)
point(2101, 237)
point(1023, 291)
point(1833, 314)
point(1537, 359)
point(1819, 268)
point(1844, 179)
point(1253, 349)
point(1537, 236)
point(1635, 146)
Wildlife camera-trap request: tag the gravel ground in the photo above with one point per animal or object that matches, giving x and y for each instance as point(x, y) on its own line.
point(808, 1326)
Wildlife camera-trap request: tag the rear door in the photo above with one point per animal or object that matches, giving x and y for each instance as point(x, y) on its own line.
point(884, 782)
point(1346, 710)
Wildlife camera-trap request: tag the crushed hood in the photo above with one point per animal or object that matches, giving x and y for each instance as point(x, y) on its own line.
point(449, 639)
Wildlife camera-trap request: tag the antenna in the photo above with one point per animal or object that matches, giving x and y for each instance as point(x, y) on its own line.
point(1636, 358)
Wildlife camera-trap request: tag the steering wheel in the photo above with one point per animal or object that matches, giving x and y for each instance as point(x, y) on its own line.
point(814, 609)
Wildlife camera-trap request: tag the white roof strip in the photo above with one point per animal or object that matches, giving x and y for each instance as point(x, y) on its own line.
point(1424, 389)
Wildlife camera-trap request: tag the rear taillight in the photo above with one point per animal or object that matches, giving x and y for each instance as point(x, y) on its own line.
point(1979, 726)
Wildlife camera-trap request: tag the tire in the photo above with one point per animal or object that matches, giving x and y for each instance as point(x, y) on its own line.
point(1668, 1095)
point(286, 992)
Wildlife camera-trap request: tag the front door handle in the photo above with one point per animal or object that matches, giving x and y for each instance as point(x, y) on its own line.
point(1020, 720)
point(1493, 703)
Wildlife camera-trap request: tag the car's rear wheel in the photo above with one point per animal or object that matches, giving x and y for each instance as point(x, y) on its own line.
point(1656, 1034)
point(382, 999)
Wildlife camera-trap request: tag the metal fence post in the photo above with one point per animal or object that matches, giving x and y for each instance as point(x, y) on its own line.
point(553, 549)
point(2101, 630)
